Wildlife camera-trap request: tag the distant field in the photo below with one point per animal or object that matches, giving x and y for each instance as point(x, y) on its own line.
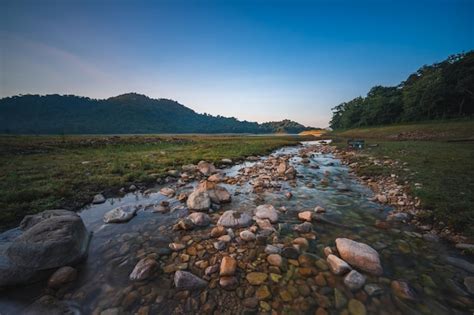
point(435, 158)
point(45, 172)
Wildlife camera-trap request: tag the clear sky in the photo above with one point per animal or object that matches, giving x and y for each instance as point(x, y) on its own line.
point(254, 60)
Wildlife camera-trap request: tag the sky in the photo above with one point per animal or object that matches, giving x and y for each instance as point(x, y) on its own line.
point(254, 60)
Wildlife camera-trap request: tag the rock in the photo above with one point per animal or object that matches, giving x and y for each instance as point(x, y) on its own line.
point(359, 255)
point(305, 216)
point(267, 212)
point(263, 293)
point(173, 173)
point(247, 236)
point(50, 243)
point(190, 168)
point(270, 249)
point(356, 307)
point(250, 302)
point(275, 260)
point(226, 161)
point(33, 219)
point(460, 263)
point(144, 269)
point(120, 215)
point(228, 282)
point(211, 270)
point(403, 290)
point(50, 305)
point(469, 284)
point(337, 265)
point(184, 224)
point(265, 225)
point(219, 245)
point(199, 219)
point(281, 169)
point(225, 238)
point(228, 266)
point(464, 246)
point(381, 198)
point(62, 276)
point(99, 198)
point(319, 209)
point(339, 299)
point(305, 227)
point(233, 218)
point(327, 251)
point(206, 168)
point(166, 191)
point(398, 217)
point(373, 289)
point(177, 246)
point(198, 200)
point(216, 178)
point(132, 188)
point(218, 231)
point(184, 280)
point(301, 243)
point(256, 278)
point(219, 195)
point(354, 280)
point(290, 252)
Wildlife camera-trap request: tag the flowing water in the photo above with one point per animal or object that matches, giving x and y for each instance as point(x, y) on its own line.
point(115, 248)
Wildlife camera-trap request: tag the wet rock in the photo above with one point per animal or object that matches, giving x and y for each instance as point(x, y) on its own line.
point(265, 225)
point(177, 246)
point(52, 242)
point(61, 277)
point(337, 265)
point(168, 192)
point(50, 305)
point(398, 217)
point(228, 282)
point(256, 278)
point(275, 260)
point(206, 168)
point(220, 195)
point(184, 224)
point(305, 227)
point(327, 251)
point(251, 302)
point(144, 269)
point(460, 263)
point(225, 238)
point(469, 284)
point(120, 215)
point(267, 212)
point(290, 252)
point(356, 307)
point(233, 218)
point(184, 280)
point(218, 231)
point(211, 270)
point(381, 198)
point(403, 290)
point(373, 289)
point(263, 293)
point(99, 198)
point(319, 209)
point(354, 280)
point(198, 200)
point(199, 219)
point(247, 236)
point(270, 249)
point(33, 219)
point(359, 255)
point(219, 245)
point(339, 299)
point(305, 216)
point(228, 266)
point(216, 178)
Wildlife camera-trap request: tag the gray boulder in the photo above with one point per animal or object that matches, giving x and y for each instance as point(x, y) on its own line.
point(30, 220)
point(54, 242)
point(233, 218)
point(199, 201)
point(184, 280)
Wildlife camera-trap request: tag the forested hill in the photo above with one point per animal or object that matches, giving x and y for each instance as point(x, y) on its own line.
point(129, 113)
point(440, 91)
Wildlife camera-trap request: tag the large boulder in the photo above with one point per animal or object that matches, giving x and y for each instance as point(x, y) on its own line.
point(120, 215)
point(219, 195)
point(54, 242)
point(33, 219)
point(267, 212)
point(233, 218)
point(359, 255)
point(199, 200)
point(144, 269)
point(206, 168)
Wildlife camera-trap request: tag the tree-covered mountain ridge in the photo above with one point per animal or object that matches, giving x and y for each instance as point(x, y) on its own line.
point(129, 113)
point(443, 90)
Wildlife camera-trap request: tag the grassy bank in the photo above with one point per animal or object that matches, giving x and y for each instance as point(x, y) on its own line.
point(445, 169)
point(45, 172)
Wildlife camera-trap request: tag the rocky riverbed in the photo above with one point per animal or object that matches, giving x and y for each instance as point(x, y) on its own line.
point(293, 232)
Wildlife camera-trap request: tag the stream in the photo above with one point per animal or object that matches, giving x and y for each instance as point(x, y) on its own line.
point(103, 285)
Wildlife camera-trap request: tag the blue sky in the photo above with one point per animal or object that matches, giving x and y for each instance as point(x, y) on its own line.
point(254, 60)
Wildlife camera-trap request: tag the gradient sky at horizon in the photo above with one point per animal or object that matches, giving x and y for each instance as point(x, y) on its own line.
point(254, 60)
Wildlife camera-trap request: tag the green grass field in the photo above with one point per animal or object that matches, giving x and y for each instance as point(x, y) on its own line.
point(46, 172)
point(444, 167)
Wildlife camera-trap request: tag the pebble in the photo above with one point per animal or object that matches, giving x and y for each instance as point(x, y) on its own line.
point(176, 246)
point(356, 307)
point(62, 276)
point(337, 265)
point(354, 280)
point(256, 278)
point(218, 231)
point(144, 269)
point(402, 290)
point(270, 249)
point(373, 289)
point(305, 216)
point(290, 252)
point(247, 236)
point(275, 260)
point(228, 282)
point(263, 293)
point(228, 266)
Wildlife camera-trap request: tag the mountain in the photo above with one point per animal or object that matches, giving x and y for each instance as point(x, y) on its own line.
point(124, 114)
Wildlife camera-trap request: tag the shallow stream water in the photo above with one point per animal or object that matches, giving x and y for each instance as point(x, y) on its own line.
point(115, 248)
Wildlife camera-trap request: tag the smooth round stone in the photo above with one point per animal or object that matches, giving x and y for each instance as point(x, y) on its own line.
point(290, 252)
point(144, 269)
point(305, 216)
point(275, 260)
point(256, 278)
point(228, 282)
point(228, 266)
point(263, 293)
point(337, 265)
point(62, 276)
point(373, 289)
point(270, 249)
point(356, 307)
point(354, 280)
point(403, 290)
point(247, 236)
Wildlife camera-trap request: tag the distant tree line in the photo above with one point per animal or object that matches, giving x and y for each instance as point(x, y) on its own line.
point(128, 113)
point(440, 91)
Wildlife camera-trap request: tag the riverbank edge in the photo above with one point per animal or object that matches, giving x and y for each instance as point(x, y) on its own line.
point(411, 204)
